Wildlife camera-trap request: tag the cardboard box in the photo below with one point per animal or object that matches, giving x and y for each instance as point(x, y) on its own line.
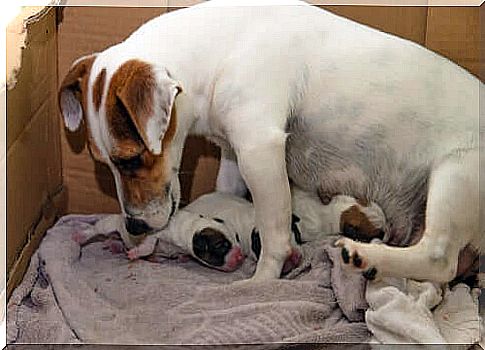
point(50, 172)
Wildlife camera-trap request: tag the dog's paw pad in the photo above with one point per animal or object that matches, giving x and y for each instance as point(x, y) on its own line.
point(357, 260)
point(350, 254)
point(345, 255)
point(370, 274)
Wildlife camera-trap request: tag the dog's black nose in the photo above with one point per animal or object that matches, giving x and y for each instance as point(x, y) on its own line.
point(136, 227)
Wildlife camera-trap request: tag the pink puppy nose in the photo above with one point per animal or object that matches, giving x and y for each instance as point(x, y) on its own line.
point(233, 259)
point(238, 255)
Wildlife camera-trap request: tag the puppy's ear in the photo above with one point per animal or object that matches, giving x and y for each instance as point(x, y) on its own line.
point(71, 92)
point(148, 94)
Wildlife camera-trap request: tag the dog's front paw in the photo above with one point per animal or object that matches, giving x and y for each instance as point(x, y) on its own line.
point(355, 258)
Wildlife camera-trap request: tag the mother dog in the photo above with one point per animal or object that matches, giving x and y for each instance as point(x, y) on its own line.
point(356, 102)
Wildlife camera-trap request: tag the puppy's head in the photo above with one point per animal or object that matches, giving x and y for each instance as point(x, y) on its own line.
point(215, 245)
point(362, 221)
point(128, 106)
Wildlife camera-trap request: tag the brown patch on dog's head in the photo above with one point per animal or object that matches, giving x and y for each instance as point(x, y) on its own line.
point(356, 225)
point(139, 104)
point(131, 110)
point(72, 96)
point(98, 89)
point(144, 176)
point(130, 100)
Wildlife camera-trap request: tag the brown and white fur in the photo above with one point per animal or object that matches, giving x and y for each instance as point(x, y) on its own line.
point(366, 105)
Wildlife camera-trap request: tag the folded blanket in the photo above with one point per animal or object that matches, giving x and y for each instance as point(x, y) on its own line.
point(90, 295)
point(407, 311)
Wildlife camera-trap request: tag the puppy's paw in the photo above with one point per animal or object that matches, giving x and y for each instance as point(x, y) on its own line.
point(132, 254)
point(355, 258)
point(114, 246)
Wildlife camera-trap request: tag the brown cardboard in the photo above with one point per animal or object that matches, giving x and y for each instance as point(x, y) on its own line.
point(33, 148)
point(454, 32)
point(48, 214)
point(38, 70)
point(406, 22)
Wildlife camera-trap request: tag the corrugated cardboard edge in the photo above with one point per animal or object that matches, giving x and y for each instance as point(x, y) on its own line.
point(47, 217)
point(16, 36)
point(17, 39)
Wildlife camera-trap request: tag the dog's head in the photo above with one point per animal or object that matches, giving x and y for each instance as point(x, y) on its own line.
point(128, 106)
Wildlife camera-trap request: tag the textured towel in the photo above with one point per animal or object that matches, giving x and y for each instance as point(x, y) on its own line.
point(407, 311)
point(71, 295)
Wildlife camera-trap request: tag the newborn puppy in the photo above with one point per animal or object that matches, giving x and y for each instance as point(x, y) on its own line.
point(342, 214)
point(218, 229)
point(192, 231)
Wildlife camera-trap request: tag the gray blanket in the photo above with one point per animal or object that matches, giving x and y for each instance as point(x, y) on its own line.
point(91, 295)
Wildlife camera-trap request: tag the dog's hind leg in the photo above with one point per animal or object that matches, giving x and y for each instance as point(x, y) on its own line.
point(452, 222)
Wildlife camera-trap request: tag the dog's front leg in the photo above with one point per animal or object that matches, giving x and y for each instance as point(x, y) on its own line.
point(229, 179)
point(262, 165)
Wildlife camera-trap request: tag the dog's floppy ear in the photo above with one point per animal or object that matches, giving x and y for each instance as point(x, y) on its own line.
point(148, 94)
point(71, 92)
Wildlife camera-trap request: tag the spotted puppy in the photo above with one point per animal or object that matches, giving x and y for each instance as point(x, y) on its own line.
point(288, 90)
point(218, 229)
point(189, 233)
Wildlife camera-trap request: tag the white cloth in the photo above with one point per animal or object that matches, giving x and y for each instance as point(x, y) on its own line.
point(407, 311)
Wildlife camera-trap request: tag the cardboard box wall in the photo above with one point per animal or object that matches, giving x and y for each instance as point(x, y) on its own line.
point(50, 171)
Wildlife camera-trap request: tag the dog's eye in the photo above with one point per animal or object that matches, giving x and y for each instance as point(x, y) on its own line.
point(128, 164)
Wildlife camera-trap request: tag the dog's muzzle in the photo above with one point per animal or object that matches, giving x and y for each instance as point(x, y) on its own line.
point(137, 227)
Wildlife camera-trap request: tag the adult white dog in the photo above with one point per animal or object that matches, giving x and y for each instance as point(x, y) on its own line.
point(362, 109)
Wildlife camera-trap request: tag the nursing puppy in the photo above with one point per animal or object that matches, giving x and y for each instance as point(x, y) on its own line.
point(218, 229)
point(361, 109)
point(188, 233)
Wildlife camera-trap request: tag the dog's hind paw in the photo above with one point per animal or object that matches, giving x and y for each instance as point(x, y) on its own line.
point(370, 274)
point(355, 259)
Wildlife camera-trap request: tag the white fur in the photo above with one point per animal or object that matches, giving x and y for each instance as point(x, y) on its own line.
point(245, 69)
point(229, 179)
